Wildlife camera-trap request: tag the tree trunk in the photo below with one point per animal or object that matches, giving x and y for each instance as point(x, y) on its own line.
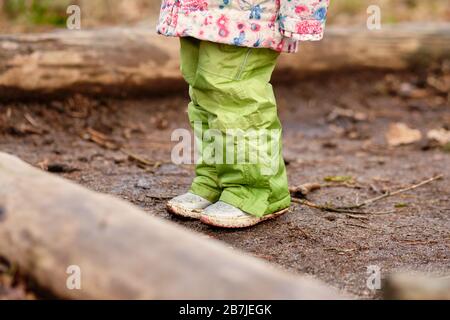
point(48, 224)
point(119, 61)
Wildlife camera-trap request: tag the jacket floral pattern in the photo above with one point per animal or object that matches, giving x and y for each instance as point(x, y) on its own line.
point(274, 24)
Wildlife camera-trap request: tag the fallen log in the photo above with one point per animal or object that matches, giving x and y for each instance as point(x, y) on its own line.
point(394, 47)
point(48, 224)
point(113, 61)
point(134, 60)
point(404, 286)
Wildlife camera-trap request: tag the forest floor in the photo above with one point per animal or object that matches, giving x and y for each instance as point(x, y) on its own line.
point(335, 135)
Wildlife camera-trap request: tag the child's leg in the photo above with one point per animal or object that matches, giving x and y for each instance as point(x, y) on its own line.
point(206, 182)
point(232, 88)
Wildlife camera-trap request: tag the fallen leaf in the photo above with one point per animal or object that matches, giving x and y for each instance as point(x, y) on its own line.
point(400, 134)
point(338, 178)
point(441, 136)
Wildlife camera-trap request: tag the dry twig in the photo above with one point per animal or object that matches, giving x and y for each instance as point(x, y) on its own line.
point(331, 208)
point(352, 209)
point(389, 194)
point(140, 160)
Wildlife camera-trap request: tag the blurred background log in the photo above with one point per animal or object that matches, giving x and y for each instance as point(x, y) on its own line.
point(416, 287)
point(113, 61)
point(129, 61)
point(48, 224)
point(395, 47)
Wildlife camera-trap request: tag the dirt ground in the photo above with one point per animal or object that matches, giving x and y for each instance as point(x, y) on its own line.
point(335, 126)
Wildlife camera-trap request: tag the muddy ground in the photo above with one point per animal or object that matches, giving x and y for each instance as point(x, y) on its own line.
point(410, 231)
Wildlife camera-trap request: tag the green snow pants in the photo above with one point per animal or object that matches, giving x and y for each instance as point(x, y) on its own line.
point(230, 90)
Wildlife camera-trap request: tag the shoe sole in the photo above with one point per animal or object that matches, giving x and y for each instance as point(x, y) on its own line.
point(182, 212)
point(233, 224)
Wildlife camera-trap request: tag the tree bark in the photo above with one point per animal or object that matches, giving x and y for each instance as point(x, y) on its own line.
point(119, 61)
point(48, 224)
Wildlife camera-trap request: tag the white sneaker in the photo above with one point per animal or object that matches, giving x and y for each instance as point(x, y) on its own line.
point(223, 215)
point(188, 205)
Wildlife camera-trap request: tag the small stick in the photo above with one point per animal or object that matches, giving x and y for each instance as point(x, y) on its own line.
point(159, 197)
point(357, 217)
point(341, 251)
point(334, 209)
point(31, 120)
point(138, 158)
point(350, 209)
point(389, 194)
point(342, 185)
point(356, 225)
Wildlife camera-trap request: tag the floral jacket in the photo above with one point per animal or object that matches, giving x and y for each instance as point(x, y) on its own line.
point(274, 24)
